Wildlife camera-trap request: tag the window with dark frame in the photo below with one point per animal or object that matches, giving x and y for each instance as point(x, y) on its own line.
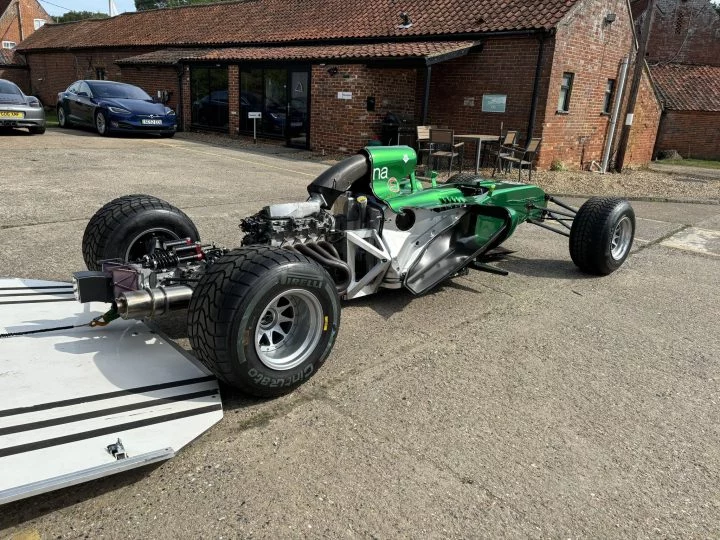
point(609, 96)
point(209, 96)
point(565, 91)
point(100, 73)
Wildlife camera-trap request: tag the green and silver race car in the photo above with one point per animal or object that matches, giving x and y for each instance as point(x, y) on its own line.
point(264, 317)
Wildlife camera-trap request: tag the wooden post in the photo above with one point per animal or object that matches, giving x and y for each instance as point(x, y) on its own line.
point(635, 87)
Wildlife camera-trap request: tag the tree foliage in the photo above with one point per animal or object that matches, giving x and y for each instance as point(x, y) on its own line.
point(72, 16)
point(142, 5)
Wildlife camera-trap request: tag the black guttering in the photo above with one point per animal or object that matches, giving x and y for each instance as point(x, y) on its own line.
point(536, 88)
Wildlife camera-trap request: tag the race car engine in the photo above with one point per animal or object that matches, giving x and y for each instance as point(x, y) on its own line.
point(282, 225)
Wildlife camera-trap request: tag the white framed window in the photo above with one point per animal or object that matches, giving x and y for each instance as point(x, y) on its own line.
point(38, 23)
point(8, 44)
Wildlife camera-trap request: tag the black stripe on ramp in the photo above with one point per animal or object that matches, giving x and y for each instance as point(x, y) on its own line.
point(98, 397)
point(39, 445)
point(40, 424)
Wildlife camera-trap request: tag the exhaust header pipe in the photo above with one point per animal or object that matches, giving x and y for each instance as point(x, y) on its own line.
point(153, 302)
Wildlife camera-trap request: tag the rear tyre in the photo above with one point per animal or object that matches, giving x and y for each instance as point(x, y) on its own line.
point(464, 178)
point(39, 130)
point(602, 235)
point(63, 120)
point(127, 227)
point(264, 319)
point(101, 124)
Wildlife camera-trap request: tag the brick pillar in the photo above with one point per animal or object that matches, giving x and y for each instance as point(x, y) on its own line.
point(234, 99)
point(186, 109)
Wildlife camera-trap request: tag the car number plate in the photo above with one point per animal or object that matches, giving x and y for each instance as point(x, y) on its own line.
point(150, 122)
point(11, 114)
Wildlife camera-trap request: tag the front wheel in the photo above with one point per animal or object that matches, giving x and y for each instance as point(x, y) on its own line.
point(602, 235)
point(101, 124)
point(264, 319)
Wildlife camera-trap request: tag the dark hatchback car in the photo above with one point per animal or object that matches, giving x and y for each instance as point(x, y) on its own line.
point(113, 107)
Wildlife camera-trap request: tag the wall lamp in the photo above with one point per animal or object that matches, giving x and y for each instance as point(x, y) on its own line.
point(610, 18)
point(332, 71)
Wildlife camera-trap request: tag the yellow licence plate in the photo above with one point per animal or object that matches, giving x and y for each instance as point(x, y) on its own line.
point(11, 114)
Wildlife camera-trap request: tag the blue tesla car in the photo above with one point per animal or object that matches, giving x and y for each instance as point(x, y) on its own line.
point(113, 107)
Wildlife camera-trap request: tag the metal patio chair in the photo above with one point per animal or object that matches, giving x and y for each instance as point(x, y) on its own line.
point(443, 146)
point(523, 158)
point(506, 147)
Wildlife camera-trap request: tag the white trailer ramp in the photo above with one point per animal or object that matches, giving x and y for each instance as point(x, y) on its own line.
point(79, 403)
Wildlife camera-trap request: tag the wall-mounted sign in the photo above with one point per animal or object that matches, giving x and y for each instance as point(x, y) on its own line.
point(494, 103)
point(344, 95)
point(254, 115)
point(469, 101)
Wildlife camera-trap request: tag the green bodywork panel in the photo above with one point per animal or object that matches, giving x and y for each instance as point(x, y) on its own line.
point(394, 181)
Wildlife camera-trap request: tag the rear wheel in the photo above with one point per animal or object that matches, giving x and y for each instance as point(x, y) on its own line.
point(464, 178)
point(126, 228)
point(602, 235)
point(264, 319)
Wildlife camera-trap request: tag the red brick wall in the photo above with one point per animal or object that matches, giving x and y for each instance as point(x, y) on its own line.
point(10, 23)
point(591, 49)
point(154, 78)
point(645, 126)
point(234, 99)
point(20, 76)
point(504, 66)
point(338, 125)
point(53, 72)
point(684, 31)
point(695, 134)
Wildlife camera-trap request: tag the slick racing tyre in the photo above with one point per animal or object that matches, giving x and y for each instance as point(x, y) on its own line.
point(264, 319)
point(126, 228)
point(464, 178)
point(602, 234)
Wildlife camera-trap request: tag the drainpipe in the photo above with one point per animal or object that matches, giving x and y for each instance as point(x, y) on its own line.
point(19, 12)
point(635, 86)
point(426, 96)
point(624, 65)
point(536, 89)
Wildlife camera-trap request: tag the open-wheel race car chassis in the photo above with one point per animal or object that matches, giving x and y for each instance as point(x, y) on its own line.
point(264, 317)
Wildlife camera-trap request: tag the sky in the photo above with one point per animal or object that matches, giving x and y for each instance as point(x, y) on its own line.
point(58, 7)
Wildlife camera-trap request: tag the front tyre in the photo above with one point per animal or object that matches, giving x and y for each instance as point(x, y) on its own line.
point(101, 123)
point(602, 235)
point(264, 319)
point(127, 227)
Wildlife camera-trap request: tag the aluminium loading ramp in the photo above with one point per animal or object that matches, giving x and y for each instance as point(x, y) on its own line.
point(68, 396)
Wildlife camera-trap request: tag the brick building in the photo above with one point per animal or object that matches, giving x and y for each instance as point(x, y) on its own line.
point(684, 59)
point(18, 20)
point(325, 73)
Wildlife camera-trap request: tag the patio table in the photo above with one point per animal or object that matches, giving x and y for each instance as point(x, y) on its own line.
point(479, 140)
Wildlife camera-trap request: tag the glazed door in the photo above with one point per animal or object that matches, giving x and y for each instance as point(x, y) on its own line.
point(298, 107)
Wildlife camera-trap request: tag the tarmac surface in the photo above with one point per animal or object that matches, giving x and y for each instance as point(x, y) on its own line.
point(542, 404)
